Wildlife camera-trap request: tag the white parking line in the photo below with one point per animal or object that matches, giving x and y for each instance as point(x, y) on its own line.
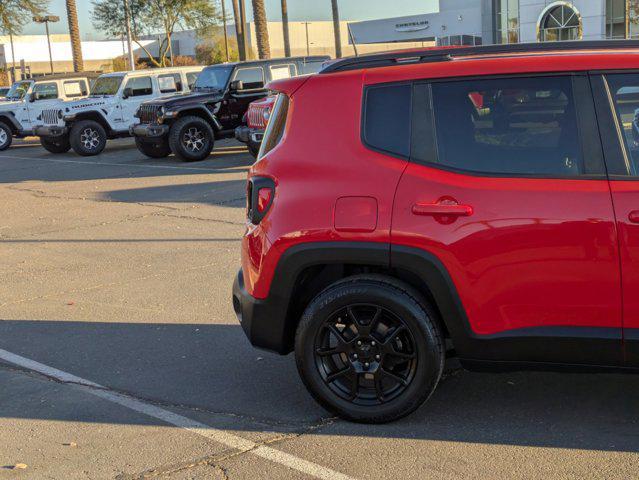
point(219, 436)
point(110, 164)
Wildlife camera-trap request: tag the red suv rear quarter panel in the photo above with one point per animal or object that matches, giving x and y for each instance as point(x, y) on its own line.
point(320, 159)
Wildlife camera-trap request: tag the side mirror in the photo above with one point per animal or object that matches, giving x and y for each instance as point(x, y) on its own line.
point(236, 86)
point(128, 92)
point(33, 97)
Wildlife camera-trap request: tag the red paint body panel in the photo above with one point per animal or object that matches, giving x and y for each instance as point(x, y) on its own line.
point(625, 196)
point(534, 252)
point(317, 150)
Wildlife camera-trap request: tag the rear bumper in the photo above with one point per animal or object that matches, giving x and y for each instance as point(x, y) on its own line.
point(50, 131)
point(262, 320)
point(148, 130)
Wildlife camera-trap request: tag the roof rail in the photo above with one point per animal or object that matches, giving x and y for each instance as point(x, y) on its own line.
point(386, 59)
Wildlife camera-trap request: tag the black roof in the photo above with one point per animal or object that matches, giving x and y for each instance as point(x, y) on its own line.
point(308, 59)
point(442, 54)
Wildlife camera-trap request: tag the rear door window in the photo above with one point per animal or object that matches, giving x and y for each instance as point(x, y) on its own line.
point(510, 126)
point(140, 86)
point(75, 88)
point(170, 83)
point(279, 72)
point(252, 78)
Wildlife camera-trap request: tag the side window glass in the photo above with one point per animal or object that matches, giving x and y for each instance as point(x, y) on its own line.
point(139, 86)
point(191, 78)
point(279, 72)
point(311, 67)
point(624, 89)
point(253, 78)
point(170, 83)
point(510, 126)
point(75, 89)
point(387, 119)
point(45, 91)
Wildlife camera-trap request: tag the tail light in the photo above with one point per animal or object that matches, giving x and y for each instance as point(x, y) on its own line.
point(259, 195)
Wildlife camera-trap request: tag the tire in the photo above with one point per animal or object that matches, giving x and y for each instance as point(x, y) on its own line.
point(154, 149)
point(191, 139)
point(397, 365)
point(56, 144)
point(88, 138)
point(6, 136)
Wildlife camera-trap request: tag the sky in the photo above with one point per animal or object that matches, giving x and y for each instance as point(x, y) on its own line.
point(298, 10)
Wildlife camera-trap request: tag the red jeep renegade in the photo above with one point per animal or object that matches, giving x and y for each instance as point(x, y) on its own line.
point(479, 202)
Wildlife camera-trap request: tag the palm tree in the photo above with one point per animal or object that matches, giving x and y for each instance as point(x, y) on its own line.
point(336, 28)
point(261, 29)
point(239, 30)
point(287, 41)
point(74, 32)
point(14, 15)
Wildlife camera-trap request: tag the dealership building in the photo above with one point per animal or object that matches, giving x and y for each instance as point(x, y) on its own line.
point(471, 22)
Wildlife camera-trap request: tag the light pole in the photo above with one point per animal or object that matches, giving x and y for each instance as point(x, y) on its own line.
point(308, 45)
point(46, 20)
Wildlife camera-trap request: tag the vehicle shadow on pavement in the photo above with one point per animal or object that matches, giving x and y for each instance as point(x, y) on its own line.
point(220, 193)
point(213, 370)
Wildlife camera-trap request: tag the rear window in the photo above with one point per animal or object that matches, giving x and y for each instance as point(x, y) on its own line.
point(387, 115)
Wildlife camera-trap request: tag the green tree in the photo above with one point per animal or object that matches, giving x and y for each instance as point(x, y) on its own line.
point(15, 14)
point(150, 16)
point(213, 52)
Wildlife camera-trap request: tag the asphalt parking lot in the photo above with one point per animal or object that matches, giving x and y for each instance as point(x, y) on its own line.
point(121, 358)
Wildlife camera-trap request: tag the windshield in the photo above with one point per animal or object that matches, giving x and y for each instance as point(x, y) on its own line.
point(213, 78)
point(18, 90)
point(106, 86)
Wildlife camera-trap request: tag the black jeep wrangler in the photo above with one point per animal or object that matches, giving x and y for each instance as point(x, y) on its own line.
point(189, 124)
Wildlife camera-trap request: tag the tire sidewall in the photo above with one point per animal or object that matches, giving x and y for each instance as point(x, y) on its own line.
point(177, 132)
point(56, 145)
point(430, 356)
point(76, 134)
point(9, 133)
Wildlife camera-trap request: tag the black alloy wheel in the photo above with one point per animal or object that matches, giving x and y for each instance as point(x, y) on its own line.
point(369, 348)
point(365, 354)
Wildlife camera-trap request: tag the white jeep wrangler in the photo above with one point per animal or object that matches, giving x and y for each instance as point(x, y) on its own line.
point(28, 99)
point(86, 125)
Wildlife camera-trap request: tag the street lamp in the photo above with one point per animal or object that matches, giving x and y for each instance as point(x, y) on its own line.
point(46, 20)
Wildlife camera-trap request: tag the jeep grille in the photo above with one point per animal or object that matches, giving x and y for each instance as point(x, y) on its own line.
point(149, 113)
point(50, 117)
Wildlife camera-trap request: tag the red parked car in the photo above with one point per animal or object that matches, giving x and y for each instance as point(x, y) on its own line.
point(255, 121)
point(479, 202)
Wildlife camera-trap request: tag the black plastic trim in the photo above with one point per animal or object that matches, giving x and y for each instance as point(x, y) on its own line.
point(377, 60)
point(9, 117)
point(270, 325)
point(202, 108)
point(565, 345)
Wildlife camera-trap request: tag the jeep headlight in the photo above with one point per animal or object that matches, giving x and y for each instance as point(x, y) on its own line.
point(266, 114)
